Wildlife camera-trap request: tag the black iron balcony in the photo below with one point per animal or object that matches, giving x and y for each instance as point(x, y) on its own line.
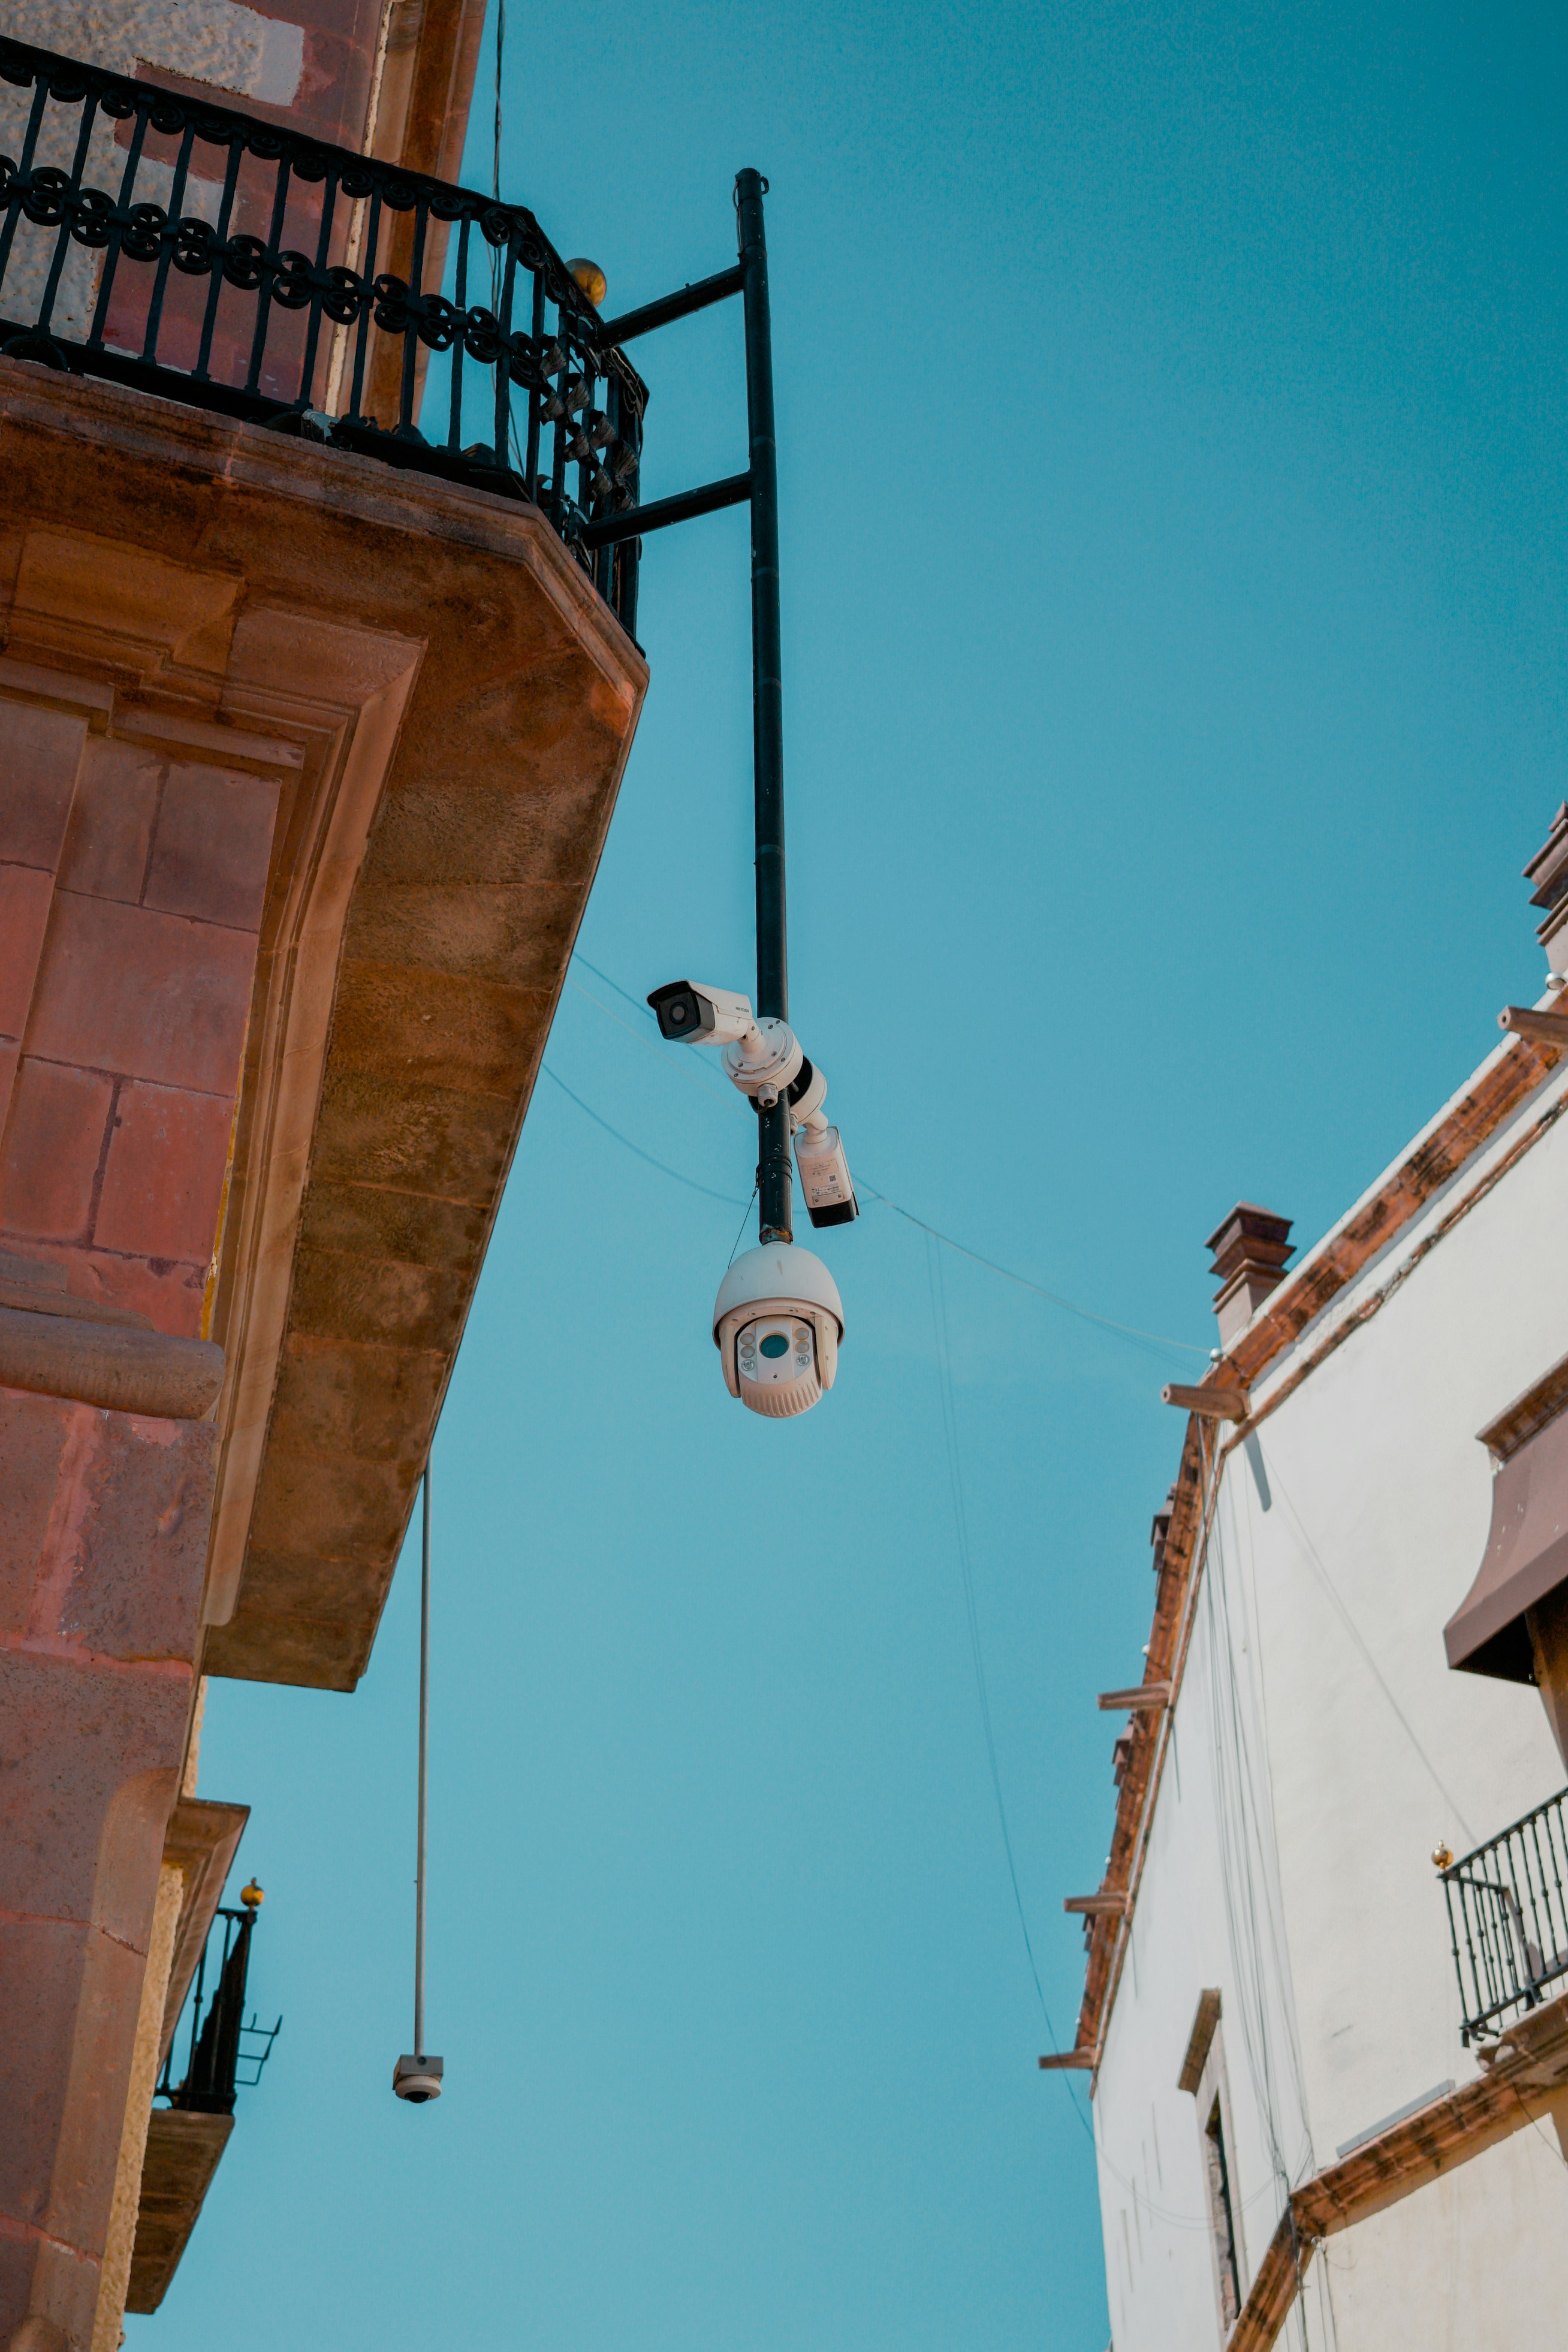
point(1508, 1913)
point(198, 253)
point(224, 2049)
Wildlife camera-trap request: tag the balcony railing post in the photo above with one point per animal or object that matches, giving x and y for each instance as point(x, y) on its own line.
point(1511, 1906)
point(244, 365)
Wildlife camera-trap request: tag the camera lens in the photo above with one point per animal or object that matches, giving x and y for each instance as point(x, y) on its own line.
point(680, 1013)
point(775, 1344)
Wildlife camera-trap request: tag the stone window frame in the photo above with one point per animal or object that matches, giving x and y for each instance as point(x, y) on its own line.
point(1204, 2076)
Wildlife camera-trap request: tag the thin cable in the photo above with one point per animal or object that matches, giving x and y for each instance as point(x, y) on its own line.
point(1127, 1330)
point(971, 1610)
point(424, 1746)
point(1348, 1621)
point(731, 1198)
point(739, 1230)
point(637, 1038)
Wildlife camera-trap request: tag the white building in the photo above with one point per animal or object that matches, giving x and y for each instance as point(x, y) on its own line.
point(1326, 2115)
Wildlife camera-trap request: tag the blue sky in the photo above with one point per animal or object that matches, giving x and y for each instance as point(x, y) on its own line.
point(1172, 463)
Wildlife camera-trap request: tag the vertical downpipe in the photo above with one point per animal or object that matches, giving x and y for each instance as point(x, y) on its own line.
point(773, 1221)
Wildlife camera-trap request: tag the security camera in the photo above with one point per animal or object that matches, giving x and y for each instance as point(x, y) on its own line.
point(761, 1058)
point(824, 1177)
point(690, 1014)
point(417, 2079)
point(819, 1152)
point(777, 1324)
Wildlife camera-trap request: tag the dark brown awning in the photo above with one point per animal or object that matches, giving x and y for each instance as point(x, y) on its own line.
point(1526, 1558)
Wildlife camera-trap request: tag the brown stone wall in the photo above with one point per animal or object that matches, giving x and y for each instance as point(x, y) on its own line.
point(103, 1526)
point(131, 895)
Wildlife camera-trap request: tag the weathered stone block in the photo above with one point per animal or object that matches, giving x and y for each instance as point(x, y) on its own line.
point(33, 1431)
point(209, 858)
point(76, 1734)
point(150, 996)
point(142, 1540)
point(43, 750)
point(54, 1139)
point(163, 1183)
point(24, 894)
point(111, 831)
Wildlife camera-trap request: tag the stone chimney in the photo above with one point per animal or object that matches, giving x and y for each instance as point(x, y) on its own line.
point(1548, 870)
point(1250, 1249)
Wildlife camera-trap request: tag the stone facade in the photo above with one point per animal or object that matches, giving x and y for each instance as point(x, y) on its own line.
point(305, 769)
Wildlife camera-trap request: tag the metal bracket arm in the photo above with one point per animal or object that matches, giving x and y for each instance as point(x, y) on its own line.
point(670, 307)
point(682, 507)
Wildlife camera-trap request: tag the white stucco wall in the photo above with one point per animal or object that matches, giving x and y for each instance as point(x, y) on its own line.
point(1289, 1855)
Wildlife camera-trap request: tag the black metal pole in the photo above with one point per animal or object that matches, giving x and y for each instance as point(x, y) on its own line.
point(773, 1222)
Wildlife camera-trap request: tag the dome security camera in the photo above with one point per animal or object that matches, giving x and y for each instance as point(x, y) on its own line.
point(417, 2079)
point(777, 1324)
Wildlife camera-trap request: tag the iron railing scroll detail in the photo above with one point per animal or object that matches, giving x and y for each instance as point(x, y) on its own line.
point(224, 2049)
point(234, 265)
point(1508, 1915)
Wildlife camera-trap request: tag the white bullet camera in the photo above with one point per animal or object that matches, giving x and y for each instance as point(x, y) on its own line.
point(761, 1058)
point(777, 1323)
point(417, 2079)
point(764, 1060)
point(689, 1014)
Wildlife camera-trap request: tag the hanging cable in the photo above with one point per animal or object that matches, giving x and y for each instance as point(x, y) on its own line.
point(424, 1763)
point(1349, 1623)
point(418, 2077)
point(970, 1609)
point(731, 1199)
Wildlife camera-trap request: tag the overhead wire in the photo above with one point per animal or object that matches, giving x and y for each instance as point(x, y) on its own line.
point(1241, 1819)
point(731, 1200)
point(1342, 1611)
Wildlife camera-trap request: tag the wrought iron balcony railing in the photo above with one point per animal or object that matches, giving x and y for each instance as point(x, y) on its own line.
point(1508, 1913)
point(221, 2045)
point(231, 264)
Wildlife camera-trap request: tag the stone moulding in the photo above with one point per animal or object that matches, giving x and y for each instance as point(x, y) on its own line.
point(1525, 2079)
point(123, 1369)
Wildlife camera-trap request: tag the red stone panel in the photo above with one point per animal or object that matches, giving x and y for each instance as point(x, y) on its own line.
point(151, 995)
point(162, 1185)
point(54, 1139)
point(24, 894)
point(211, 848)
point(32, 1439)
point(140, 1539)
point(76, 1734)
point(40, 1967)
point(39, 754)
point(110, 833)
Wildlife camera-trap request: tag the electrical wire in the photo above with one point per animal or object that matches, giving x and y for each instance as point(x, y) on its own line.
point(740, 1229)
point(1349, 1623)
point(971, 1606)
point(1153, 1340)
point(731, 1199)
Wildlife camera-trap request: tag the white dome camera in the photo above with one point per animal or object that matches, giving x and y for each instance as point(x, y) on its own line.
point(417, 2079)
point(777, 1324)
